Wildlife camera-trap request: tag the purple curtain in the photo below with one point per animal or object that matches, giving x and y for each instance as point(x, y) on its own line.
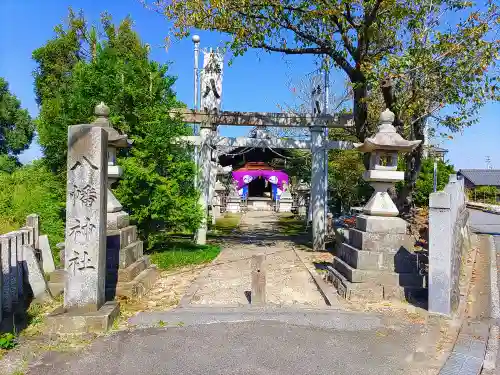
point(274, 177)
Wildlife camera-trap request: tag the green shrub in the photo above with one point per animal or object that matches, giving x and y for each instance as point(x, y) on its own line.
point(33, 189)
point(425, 182)
point(7, 341)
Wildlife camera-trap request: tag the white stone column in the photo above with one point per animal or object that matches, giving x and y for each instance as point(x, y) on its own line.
point(204, 179)
point(86, 204)
point(318, 187)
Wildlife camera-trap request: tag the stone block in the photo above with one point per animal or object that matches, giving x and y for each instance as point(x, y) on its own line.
point(35, 275)
point(27, 234)
point(130, 273)
point(47, 257)
point(62, 320)
point(127, 235)
point(369, 291)
point(5, 256)
point(17, 238)
point(285, 206)
point(380, 224)
point(33, 221)
point(361, 259)
point(374, 241)
point(378, 277)
point(130, 254)
point(353, 291)
point(117, 220)
point(139, 286)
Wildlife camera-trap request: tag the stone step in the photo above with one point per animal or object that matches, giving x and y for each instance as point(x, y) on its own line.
point(378, 277)
point(140, 285)
point(401, 261)
point(390, 242)
point(370, 291)
point(129, 273)
point(360, 259)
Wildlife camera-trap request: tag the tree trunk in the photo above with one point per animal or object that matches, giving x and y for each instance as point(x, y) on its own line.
point(413, 166)
point(360, 107)
point(360, 114)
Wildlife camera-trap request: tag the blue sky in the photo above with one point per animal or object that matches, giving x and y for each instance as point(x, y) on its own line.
point(255, 82)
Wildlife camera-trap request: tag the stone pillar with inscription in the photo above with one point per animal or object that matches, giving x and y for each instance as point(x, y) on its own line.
point(85, 245)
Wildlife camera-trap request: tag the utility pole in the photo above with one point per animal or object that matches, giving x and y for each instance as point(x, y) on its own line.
point(196, 41)
point(325, 106)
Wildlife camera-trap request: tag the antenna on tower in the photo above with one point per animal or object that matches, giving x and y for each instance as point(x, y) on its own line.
point(488, 162)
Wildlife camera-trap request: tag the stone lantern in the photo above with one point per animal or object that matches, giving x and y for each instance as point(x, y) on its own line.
point(384, 147)
point(376, 260)
point(303, 191)
point(116, 218)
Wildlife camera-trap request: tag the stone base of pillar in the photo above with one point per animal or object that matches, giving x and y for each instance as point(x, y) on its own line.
point(62, 321)
point(129, 273)
point(201, 236)
point(378, 262)
point(285, 206)
point(233, 205)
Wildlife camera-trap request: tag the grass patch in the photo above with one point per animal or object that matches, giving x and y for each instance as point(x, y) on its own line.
point(291, 225)
point(226, 224)
point(180, 254)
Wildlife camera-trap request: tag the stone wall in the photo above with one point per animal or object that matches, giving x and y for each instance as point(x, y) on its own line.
point(449, 240)
point(22, 260)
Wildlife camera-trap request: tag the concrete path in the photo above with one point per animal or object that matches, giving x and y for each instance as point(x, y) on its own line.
point(484, 222)
point(210, 341)
point(228, 280)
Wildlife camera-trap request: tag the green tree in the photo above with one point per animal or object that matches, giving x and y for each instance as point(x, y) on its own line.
point(420, 58)
point(16, 127)
point(425, 181)
point(78, 69)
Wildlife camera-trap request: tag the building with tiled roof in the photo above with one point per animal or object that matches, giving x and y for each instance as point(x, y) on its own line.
point(480, 177)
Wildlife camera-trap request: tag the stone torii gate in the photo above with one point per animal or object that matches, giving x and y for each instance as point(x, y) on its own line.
point(208, 140)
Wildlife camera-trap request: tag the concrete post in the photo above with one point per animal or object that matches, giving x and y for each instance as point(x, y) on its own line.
point(318, 187)
point(204, 179)
point(258, 296)
point(442, 296)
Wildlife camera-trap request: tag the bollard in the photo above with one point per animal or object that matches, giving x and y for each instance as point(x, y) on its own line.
point(258, 280)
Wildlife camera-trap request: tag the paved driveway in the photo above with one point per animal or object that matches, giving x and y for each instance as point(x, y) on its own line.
point(308, 342)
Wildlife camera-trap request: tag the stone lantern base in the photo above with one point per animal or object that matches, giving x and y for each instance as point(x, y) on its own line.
point(377, 262)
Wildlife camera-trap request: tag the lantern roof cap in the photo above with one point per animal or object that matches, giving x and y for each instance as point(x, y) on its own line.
point(386, 138)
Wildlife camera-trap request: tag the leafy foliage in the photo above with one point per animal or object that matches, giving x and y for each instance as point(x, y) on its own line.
point(16, 127)
point(423, 59)
point(77, 70)
point(485, 194)
point(425, 181)
point(7, 341)
point(8, 163)
point(32, 189)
